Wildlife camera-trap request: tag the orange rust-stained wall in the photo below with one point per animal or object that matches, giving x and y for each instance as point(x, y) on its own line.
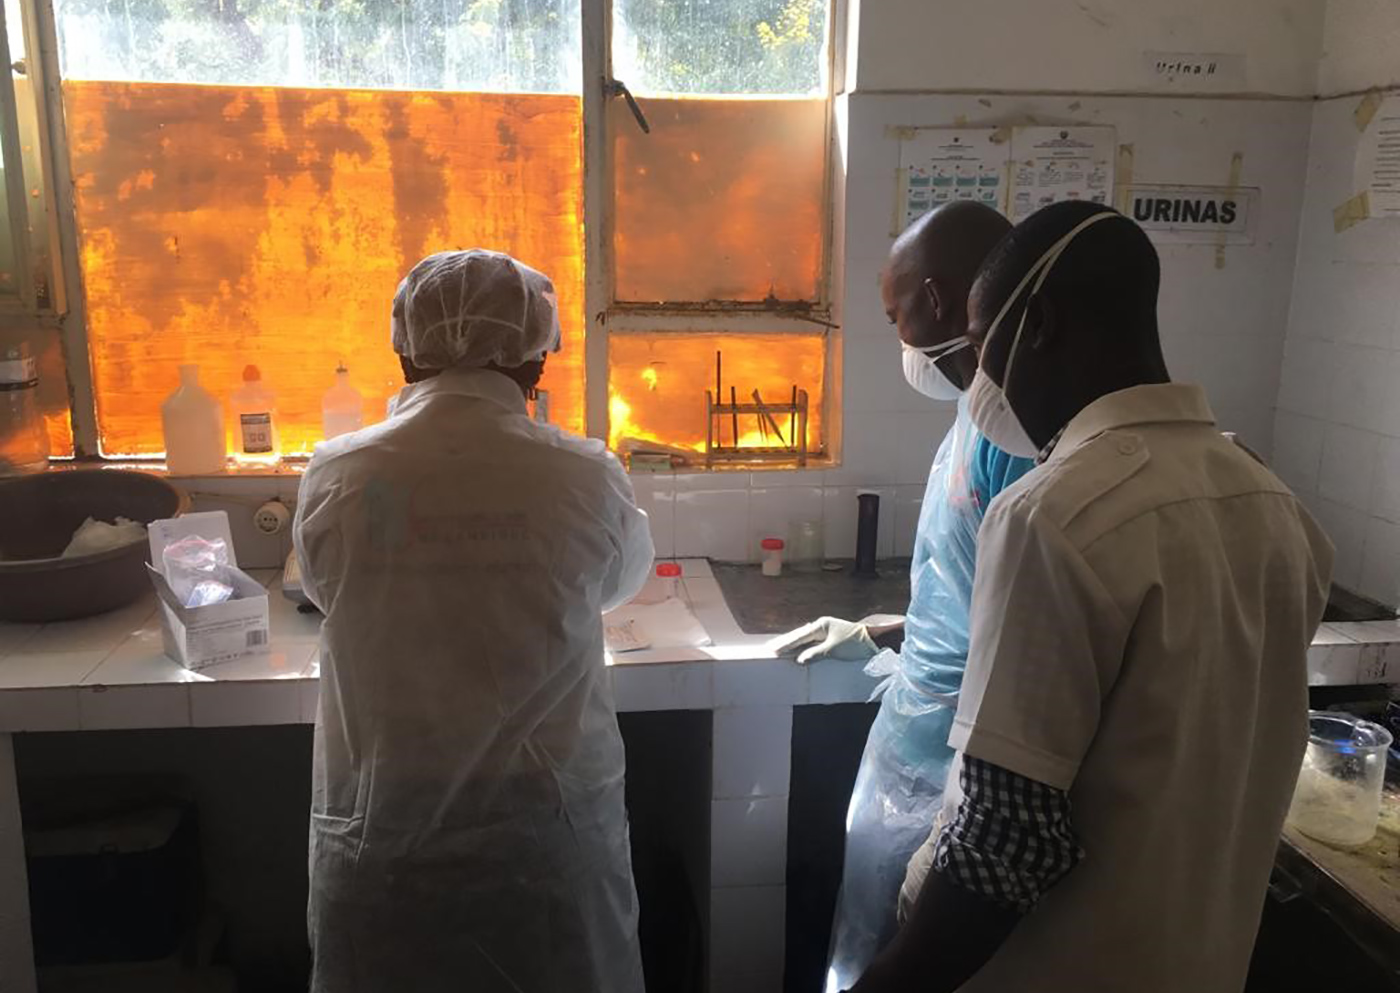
point(723, 200)
point(228, 225)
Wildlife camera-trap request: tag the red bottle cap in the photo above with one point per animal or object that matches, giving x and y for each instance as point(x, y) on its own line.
point(668, 570)
point(772, 544)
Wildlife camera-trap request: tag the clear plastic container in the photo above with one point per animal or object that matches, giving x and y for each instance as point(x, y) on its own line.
point(24, 438)
point(342, 408)
point(1338, 796)
point(193, 422)
point(254, 409)
point(668, 576)
point(806, 546)
point(772, 556)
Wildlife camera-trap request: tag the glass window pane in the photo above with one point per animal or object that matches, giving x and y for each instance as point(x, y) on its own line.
point(657, 384)
point(9, 263)
point(503, 46)
point(724, 200)
point(227, 226)
point(721, 46)
point(47, 350)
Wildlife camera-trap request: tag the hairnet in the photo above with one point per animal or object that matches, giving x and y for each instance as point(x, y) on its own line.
point(474, 308)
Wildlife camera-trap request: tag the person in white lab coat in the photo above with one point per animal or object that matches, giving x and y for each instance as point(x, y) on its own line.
point(467, 827)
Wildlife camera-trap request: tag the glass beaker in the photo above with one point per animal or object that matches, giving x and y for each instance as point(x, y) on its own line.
point(1338, 796)
point(24, 438)
point(806, 546)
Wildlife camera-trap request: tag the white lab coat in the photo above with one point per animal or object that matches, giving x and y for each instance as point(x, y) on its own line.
point(468, 831)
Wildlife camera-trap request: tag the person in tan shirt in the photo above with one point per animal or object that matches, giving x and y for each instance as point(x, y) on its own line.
point(1134, 711)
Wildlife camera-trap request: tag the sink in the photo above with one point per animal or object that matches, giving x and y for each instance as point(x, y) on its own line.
point(773, 605)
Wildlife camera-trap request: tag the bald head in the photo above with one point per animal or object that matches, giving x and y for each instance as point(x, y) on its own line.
point(930, 270)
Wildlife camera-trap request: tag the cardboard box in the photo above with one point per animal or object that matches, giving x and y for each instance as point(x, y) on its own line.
point(198, 637)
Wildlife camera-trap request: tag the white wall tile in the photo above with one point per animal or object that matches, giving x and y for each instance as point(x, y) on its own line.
point(759, 683)
point(869, 450)
point(683, 686)
point(1361, 385)
point(1347, 529)
point(748, 841)
point(1349, 458)
point(772, 510)
point(1307, 376)
point(1297, 451)
point(1333, 665)
point(1380, 562)
point(752, 752)
point(908, 502)
point(253, 548)
point(247, 702)
point(747, 937)
point(835, 681)
point(46, 709)
point(49, 669)
point(918, 437)
point(1364, 303)
point(840, 520)
point(114, 708)
point(658, 498)
point(713, 523)
point(1385, 499)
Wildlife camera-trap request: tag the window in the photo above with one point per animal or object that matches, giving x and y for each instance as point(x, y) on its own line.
point(250, 180)
point(30, 291)
point(718, 215)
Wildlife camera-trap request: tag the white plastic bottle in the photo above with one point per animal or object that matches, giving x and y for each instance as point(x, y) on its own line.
point(255, 421)
point(193, 422)
point(342, 408)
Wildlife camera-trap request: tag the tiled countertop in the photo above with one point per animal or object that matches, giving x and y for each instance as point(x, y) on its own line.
point(110, 672)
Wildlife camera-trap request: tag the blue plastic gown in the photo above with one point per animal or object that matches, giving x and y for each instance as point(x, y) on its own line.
point(900, 784)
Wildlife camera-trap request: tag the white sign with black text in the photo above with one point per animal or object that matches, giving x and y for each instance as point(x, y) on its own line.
point(1196, 214)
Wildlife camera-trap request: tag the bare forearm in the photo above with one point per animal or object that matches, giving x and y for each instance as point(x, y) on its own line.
point(949, 936)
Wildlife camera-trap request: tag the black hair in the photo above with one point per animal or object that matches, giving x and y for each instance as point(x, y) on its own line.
point(1106, 278)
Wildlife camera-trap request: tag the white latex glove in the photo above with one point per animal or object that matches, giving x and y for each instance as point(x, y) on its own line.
point(846, 641)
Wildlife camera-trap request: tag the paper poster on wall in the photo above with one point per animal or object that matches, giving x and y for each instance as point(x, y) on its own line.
point(1050, 164)
point(1378, 160)
point(940, 165)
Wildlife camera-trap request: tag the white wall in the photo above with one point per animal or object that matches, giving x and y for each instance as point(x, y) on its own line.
point(1079, 45)
point(1337, 431)
point(1360, 46)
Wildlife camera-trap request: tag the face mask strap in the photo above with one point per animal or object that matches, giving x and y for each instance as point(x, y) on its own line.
point(942, 350)
point(1039, 272)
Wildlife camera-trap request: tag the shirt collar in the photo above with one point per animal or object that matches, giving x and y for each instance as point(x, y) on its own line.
point(1157, 403)
point(481, 383)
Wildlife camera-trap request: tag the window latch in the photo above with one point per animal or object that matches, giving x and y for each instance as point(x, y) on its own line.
point(617, 88)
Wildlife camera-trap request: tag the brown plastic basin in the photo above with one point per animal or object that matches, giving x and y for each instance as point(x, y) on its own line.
point(38, 515)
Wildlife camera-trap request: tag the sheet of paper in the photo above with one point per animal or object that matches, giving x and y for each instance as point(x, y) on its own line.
point(1378, 160)
point(940, 165)
point(669, 624)
point(1050, 164)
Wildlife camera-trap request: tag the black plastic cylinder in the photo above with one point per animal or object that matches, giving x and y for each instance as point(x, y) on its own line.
point(867, 533)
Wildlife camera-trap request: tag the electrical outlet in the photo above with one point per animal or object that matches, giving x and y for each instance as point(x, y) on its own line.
point(272, 517)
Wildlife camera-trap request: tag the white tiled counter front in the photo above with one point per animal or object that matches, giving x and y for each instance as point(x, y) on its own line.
point(110, 673)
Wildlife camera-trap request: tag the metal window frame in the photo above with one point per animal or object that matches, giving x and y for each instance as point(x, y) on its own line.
point(603, 314)
point(14, 181)
point(606, 315)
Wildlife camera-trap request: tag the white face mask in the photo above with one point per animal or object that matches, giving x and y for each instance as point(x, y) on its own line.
point(987, 404)
point(922, 372)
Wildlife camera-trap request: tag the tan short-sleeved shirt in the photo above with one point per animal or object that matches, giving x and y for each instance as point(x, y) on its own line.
point(1141, 617)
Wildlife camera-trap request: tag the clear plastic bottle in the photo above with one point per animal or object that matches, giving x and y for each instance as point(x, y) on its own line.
point(255, 421)
point(342, 408)
point(193, 421)
point(24, 438)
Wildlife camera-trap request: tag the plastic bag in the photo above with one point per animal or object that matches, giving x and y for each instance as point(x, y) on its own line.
point(198, 572)
point(899, 788)
point(95, 536)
